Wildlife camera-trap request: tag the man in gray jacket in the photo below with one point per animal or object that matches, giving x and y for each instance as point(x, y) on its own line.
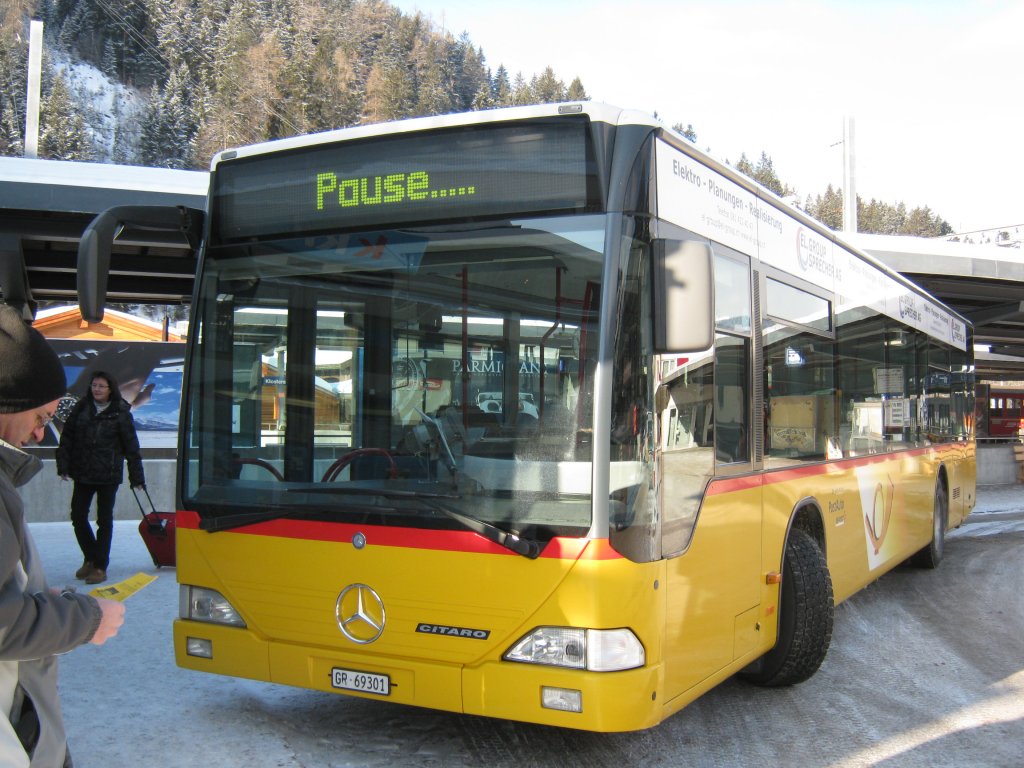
point(36, 622)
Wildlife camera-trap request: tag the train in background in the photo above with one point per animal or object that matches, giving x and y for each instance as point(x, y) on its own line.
point(1000, 412)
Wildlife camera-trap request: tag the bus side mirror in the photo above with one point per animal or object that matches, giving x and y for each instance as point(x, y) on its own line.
point(94, 265)
point(98, 240)
point(684, 290)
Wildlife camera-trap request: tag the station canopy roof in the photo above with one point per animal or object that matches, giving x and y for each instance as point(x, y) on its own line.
point(984, 283)
point(45, 205)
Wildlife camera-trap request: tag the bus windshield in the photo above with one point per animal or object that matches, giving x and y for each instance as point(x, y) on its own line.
point(397, 377)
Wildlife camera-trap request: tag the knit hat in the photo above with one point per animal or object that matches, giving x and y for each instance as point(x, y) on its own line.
point(30, 372)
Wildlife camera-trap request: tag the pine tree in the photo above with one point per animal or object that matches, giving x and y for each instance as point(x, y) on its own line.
point(483, 98)
point(521, 93)
point(470, 72)
point(923, 222)
point(434, 79)
point(547, 88)
point(181, 125)
point(435, 93)
point(388, 92)
point(109, 63)
point(171, 124)
point(13, 74)
point(69, 31)
point(764, 174)
point(342, 92)
point(687, 132)
point(828, 208)
point(172, 23)
point(576, 91)
point(121, 148)
point(46, 12)
point(895, 218)
point(864, 213)
point(501, 88)
point(152, 131)
point(62, 132)
point(744, 166)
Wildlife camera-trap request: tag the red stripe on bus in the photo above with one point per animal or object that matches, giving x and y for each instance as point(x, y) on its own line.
point(562, 548)
point(771, 477)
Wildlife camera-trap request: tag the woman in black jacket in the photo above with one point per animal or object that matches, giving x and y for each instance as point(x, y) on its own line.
point(98, 436)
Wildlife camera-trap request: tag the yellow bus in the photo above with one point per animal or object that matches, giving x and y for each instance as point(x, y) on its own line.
point(614, 423)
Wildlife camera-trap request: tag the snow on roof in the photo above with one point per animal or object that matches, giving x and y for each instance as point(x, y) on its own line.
point(23, 170)
point(930, 246)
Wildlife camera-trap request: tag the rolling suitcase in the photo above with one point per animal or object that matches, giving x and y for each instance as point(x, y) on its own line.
point(157, 530)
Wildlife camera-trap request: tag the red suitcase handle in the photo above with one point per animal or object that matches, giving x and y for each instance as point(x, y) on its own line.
point(151, 518)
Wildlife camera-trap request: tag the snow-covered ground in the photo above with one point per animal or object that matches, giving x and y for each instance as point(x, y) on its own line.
point(926, 669)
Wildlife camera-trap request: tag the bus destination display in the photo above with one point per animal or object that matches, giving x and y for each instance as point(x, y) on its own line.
point(380, 190)
point(491, 170)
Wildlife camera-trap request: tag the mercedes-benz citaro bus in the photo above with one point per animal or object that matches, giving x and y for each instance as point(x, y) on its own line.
point(708, 420)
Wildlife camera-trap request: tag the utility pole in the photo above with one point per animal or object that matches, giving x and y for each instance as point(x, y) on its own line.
point(849, 187)
point(35, 68)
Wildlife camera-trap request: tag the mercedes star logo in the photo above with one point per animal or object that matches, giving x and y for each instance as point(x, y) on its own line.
point(360, 613)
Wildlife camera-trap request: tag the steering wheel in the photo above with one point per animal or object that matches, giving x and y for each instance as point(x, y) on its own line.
point(261, 463)
point(343, 461)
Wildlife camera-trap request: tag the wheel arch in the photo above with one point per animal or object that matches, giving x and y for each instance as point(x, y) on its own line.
point(805, 614)
point(808, 517)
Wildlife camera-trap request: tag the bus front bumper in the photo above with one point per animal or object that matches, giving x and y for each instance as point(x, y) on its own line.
point(606, 701)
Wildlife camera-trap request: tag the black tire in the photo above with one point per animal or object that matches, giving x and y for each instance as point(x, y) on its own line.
point(931, 556)
point(806, 614)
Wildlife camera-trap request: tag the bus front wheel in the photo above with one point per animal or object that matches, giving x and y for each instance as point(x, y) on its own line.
point(806, 613)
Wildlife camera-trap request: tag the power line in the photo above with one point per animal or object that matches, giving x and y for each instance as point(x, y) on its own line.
point(158, 57)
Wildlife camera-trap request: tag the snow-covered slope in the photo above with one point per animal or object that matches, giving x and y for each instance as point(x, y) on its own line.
point(110, 108)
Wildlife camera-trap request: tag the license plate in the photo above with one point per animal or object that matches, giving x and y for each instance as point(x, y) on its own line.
point(364, 682)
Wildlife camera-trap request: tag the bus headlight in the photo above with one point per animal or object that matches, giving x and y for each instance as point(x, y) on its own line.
point(597, 650)
point(201, 604)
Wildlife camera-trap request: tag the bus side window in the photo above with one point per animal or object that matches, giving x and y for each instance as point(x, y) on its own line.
point(732, 399)
point(684, 404)
point(800, 399)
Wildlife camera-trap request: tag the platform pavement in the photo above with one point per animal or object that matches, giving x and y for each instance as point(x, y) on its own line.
point(1000, 498)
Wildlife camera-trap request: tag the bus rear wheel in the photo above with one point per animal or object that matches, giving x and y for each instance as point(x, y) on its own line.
point(806, 614)
point(931, 556)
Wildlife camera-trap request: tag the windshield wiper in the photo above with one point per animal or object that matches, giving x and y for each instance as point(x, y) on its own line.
point(526, 547)
point(513, 542)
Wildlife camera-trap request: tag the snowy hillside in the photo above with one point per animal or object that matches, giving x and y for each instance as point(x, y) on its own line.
point(113, 112)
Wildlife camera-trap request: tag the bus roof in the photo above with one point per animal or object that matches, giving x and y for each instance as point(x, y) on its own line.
point(597, 112)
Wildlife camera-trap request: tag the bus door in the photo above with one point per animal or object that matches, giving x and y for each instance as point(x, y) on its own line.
point(710, 502)
point(711, 529)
